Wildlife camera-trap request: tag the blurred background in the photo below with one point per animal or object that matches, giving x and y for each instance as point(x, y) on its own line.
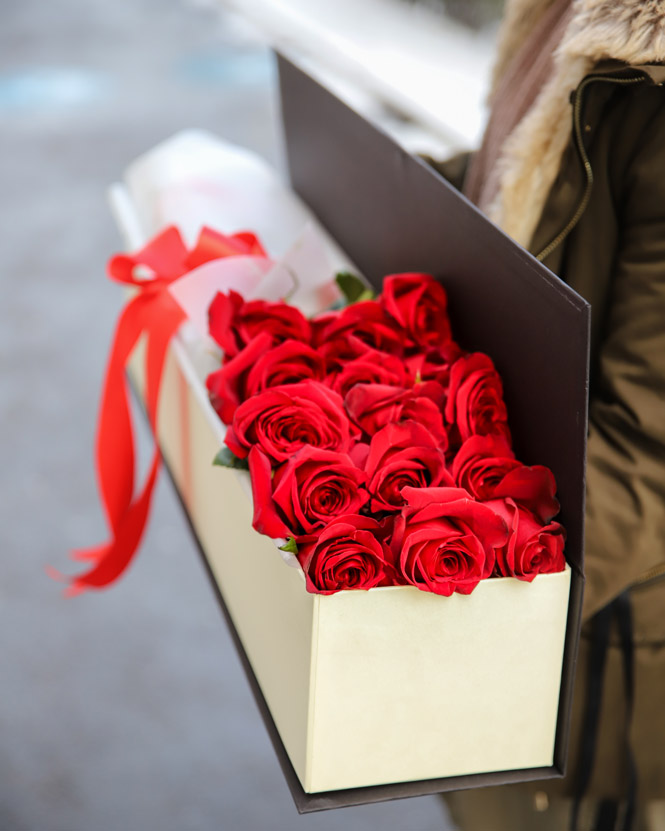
point(128, 708)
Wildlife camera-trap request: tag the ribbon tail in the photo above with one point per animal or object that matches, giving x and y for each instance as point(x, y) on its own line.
point(114, 446)
point(155, 312)
point(114, 558)
point(84, 555)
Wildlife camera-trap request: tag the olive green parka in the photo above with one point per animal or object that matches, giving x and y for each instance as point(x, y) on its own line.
point(615, 258)
point(582, 187)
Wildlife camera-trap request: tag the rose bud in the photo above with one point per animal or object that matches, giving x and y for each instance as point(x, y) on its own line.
point(373, 367)
point(366, 321)
point(532, 548)
point(283, 419)
point(420, 305)
point(403, 455)
point(306, 493)
point(233, 323)
point(445, 541)
point(372, 406)
point(475, 404)
point(348, 554)
point(258, 367)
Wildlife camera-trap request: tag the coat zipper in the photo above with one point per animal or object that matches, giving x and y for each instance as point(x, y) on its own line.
point(579, 140)
point(655, 573)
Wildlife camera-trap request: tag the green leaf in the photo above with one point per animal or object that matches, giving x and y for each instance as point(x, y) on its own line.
point(225, 458)
point(352, 287)
point(290, 545)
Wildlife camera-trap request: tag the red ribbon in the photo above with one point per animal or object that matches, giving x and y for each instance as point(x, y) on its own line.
point(155, 313)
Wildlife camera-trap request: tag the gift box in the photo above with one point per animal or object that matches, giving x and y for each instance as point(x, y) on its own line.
point(392, 692)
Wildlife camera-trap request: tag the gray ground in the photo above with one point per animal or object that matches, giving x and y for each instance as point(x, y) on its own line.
point(125, 709)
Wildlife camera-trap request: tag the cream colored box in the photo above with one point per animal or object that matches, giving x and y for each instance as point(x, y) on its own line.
point(375, 687)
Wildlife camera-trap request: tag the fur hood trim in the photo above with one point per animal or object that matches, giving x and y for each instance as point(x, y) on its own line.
point(632, 31)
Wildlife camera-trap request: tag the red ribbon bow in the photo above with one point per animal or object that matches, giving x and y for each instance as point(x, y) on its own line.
point(153, 312)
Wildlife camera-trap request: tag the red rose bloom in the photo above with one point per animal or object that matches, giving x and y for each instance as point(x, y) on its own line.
point(532, 548)
point(475, 404)
point(372, 367)
point(532, 488)
point(233, 323)
point(337, 353)
point(310, 490)
point(403, 455)
point(366, 321)
point(372, 406)
point(481, 463)
point(319, 323)
point(445, 540)
point(419, 304)
point(487, 468)
point(348, 554)
point(284, 419)
point(258, 367)
point(434, 364)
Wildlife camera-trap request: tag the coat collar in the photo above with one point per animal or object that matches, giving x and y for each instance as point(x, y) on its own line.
point(631, 31)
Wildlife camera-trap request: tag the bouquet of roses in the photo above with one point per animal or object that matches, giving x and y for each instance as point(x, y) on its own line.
point(377, 448)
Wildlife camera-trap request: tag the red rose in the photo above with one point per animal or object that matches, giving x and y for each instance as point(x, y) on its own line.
point(445, 540)
point(233, 323)
point(532, 488)
point(434, 364)
point(372, 406)
point(319, 323)
point(487, 468)
point(258, 367)
point(372, 367)
point(348, 554)
point(314, 487)
point(283, 419)
point(475, 402)
point(403, 455)
point(337, 353)
point(366, 321)
point(481, 463)
point(419, 304)
point(532, 548)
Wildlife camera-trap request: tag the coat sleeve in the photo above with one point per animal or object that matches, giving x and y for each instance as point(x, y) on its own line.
point(625, 530)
